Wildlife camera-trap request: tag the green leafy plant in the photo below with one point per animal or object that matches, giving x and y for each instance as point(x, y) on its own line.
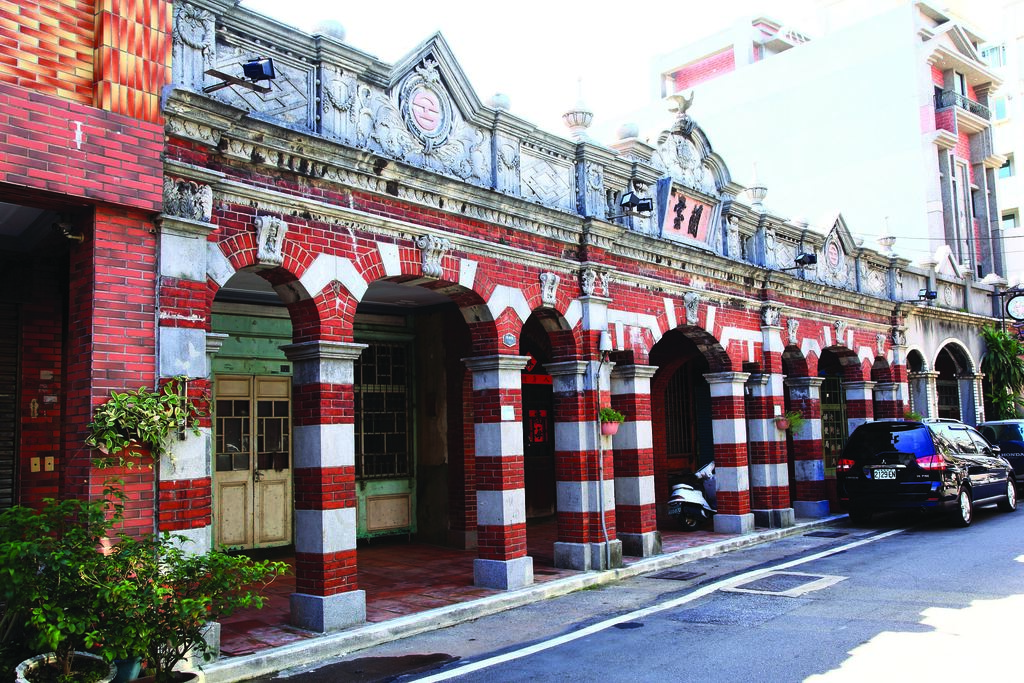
point(912, 415)
point(792, 421)
point(49, 559)
point(1003, 366)
point(167, 595)
point(610, 415)
point(137, 423)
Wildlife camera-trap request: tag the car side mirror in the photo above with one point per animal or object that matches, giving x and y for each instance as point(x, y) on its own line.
point(996, 450)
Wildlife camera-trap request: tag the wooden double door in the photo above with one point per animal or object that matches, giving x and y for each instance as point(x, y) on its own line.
point(252, 461)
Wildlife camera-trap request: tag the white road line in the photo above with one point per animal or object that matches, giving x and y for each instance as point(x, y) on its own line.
point(645, 612)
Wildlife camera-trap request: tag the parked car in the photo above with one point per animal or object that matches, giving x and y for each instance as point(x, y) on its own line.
point(940, 465)
point(1009, 436)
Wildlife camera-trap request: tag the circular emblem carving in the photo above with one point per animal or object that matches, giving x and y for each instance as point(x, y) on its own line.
point(832, 255)
point(426, 107)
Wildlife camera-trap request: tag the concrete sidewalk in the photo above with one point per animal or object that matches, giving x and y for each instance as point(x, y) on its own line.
point(322, 647)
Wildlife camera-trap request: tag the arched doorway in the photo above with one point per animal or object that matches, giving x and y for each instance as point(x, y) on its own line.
point(538, 421)
point(951, 365)
point(680, 412)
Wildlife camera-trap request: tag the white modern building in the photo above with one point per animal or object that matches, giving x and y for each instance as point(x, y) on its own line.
point(885, 121)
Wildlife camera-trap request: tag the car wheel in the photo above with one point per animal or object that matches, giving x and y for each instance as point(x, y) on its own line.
point(965, 508)
point(1009, 504)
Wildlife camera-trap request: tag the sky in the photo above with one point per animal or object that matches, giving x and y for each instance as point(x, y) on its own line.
point(542, 53)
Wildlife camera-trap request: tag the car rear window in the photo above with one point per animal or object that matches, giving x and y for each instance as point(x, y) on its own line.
point(1007, 432)
point(870, 441)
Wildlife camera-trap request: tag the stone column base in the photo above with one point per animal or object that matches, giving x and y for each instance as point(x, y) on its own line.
point(326, 613)
point(814, 509)
point(734, 524)
point(503, 574)
point(775, 519)
point(587, 556)
point(641, 545)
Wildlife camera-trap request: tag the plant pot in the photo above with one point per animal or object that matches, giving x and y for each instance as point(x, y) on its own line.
point(176, 676)
point(29, 665)
point(609, 428)
point(127, 669)
point(781, 423)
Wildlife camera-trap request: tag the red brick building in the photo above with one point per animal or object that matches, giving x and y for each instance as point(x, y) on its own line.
point(80, 181)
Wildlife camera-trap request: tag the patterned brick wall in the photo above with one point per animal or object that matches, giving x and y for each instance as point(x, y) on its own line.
point(133, 56)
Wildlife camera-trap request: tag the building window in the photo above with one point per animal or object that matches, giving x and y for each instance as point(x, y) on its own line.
point(999, 107)
point(994, 56)
point(1007, 170)
point(383, 420)
point(1010, 219)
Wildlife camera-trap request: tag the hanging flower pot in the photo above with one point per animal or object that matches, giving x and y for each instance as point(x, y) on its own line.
point(610, 420)
point(781, 423)
point(610, 428)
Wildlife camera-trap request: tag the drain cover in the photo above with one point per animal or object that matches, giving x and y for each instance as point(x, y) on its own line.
point(628, 625)
point(788, 584)
point(676, 575)
point(826, 534)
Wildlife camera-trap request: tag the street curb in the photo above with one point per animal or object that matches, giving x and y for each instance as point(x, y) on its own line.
point(359, 638)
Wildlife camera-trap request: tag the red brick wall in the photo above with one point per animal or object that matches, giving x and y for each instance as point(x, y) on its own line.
point(705, 69)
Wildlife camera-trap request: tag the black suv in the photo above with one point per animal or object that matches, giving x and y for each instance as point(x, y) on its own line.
point(1009, 436)
point(939, 465)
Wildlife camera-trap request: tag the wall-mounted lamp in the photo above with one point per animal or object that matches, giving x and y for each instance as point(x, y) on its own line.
point(260, 69)
point(803, 260)
point(604, 345)
point(633, 204)
point(68, 231)
point(927, 295)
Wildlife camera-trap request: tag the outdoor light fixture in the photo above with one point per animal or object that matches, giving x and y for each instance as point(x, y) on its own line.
point(803, 260)
point(633, 204)
point(927, 295)
point(259, 69)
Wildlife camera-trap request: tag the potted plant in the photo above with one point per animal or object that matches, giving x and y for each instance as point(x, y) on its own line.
point(912, 416)
point(168, 595)
point(792, 421)
point(50, 560)
point(610, 420)
point(137, 423)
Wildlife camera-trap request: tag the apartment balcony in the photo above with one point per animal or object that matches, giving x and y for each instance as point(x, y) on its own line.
point(971, 116)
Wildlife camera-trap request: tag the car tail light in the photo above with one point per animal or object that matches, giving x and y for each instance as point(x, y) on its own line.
point(932, 462)
point(844, 465)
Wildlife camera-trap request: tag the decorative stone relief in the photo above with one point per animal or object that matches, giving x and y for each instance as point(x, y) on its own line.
point(899, 336)
point(188, 199)
point(193, 45)
point(546, 183)
point(678, 158)
point(588, 279)
point(592, 200)
point(508, 167)
point(792, 328)
point(691, 301)
point(840, 327)
point(770, 316)
point(880, 344)
point(338, 102)
point(733, 241)
point(549, 288)
point(270, 233)
point(433, 249)
point(426, 107)
point(837, 270)
point(770, 246)
point(604, 280)
point(875, 284)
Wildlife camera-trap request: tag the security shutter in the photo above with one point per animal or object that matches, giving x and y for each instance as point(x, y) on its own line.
point(8, 400)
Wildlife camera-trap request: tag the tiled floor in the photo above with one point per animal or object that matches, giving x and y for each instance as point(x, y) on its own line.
point(401, 578)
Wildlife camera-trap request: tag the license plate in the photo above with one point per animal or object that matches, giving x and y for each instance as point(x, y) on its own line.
point(884, 474)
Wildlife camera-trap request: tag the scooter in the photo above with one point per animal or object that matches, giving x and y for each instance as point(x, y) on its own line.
point(687, 503)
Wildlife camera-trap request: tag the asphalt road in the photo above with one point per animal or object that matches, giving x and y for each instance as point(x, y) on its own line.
point(905, 599)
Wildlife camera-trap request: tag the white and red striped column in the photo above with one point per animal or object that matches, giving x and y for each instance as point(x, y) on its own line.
point(500, 480)
point(326, 594)
point(859, 403)
point(586, 539)
point(729, 426)
point(635, 506)
point(811, 497)
point(769, 472)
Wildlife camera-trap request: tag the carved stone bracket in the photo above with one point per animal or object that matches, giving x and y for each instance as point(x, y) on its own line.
point(840, 326)
point(792, 327)
point(691, 301)
point(549, 288)
point(188, 199)
point(270, 234)
point(880, 340)
point(770, 316)
point(433, 249)
point(588, 281)
point(899, 336)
